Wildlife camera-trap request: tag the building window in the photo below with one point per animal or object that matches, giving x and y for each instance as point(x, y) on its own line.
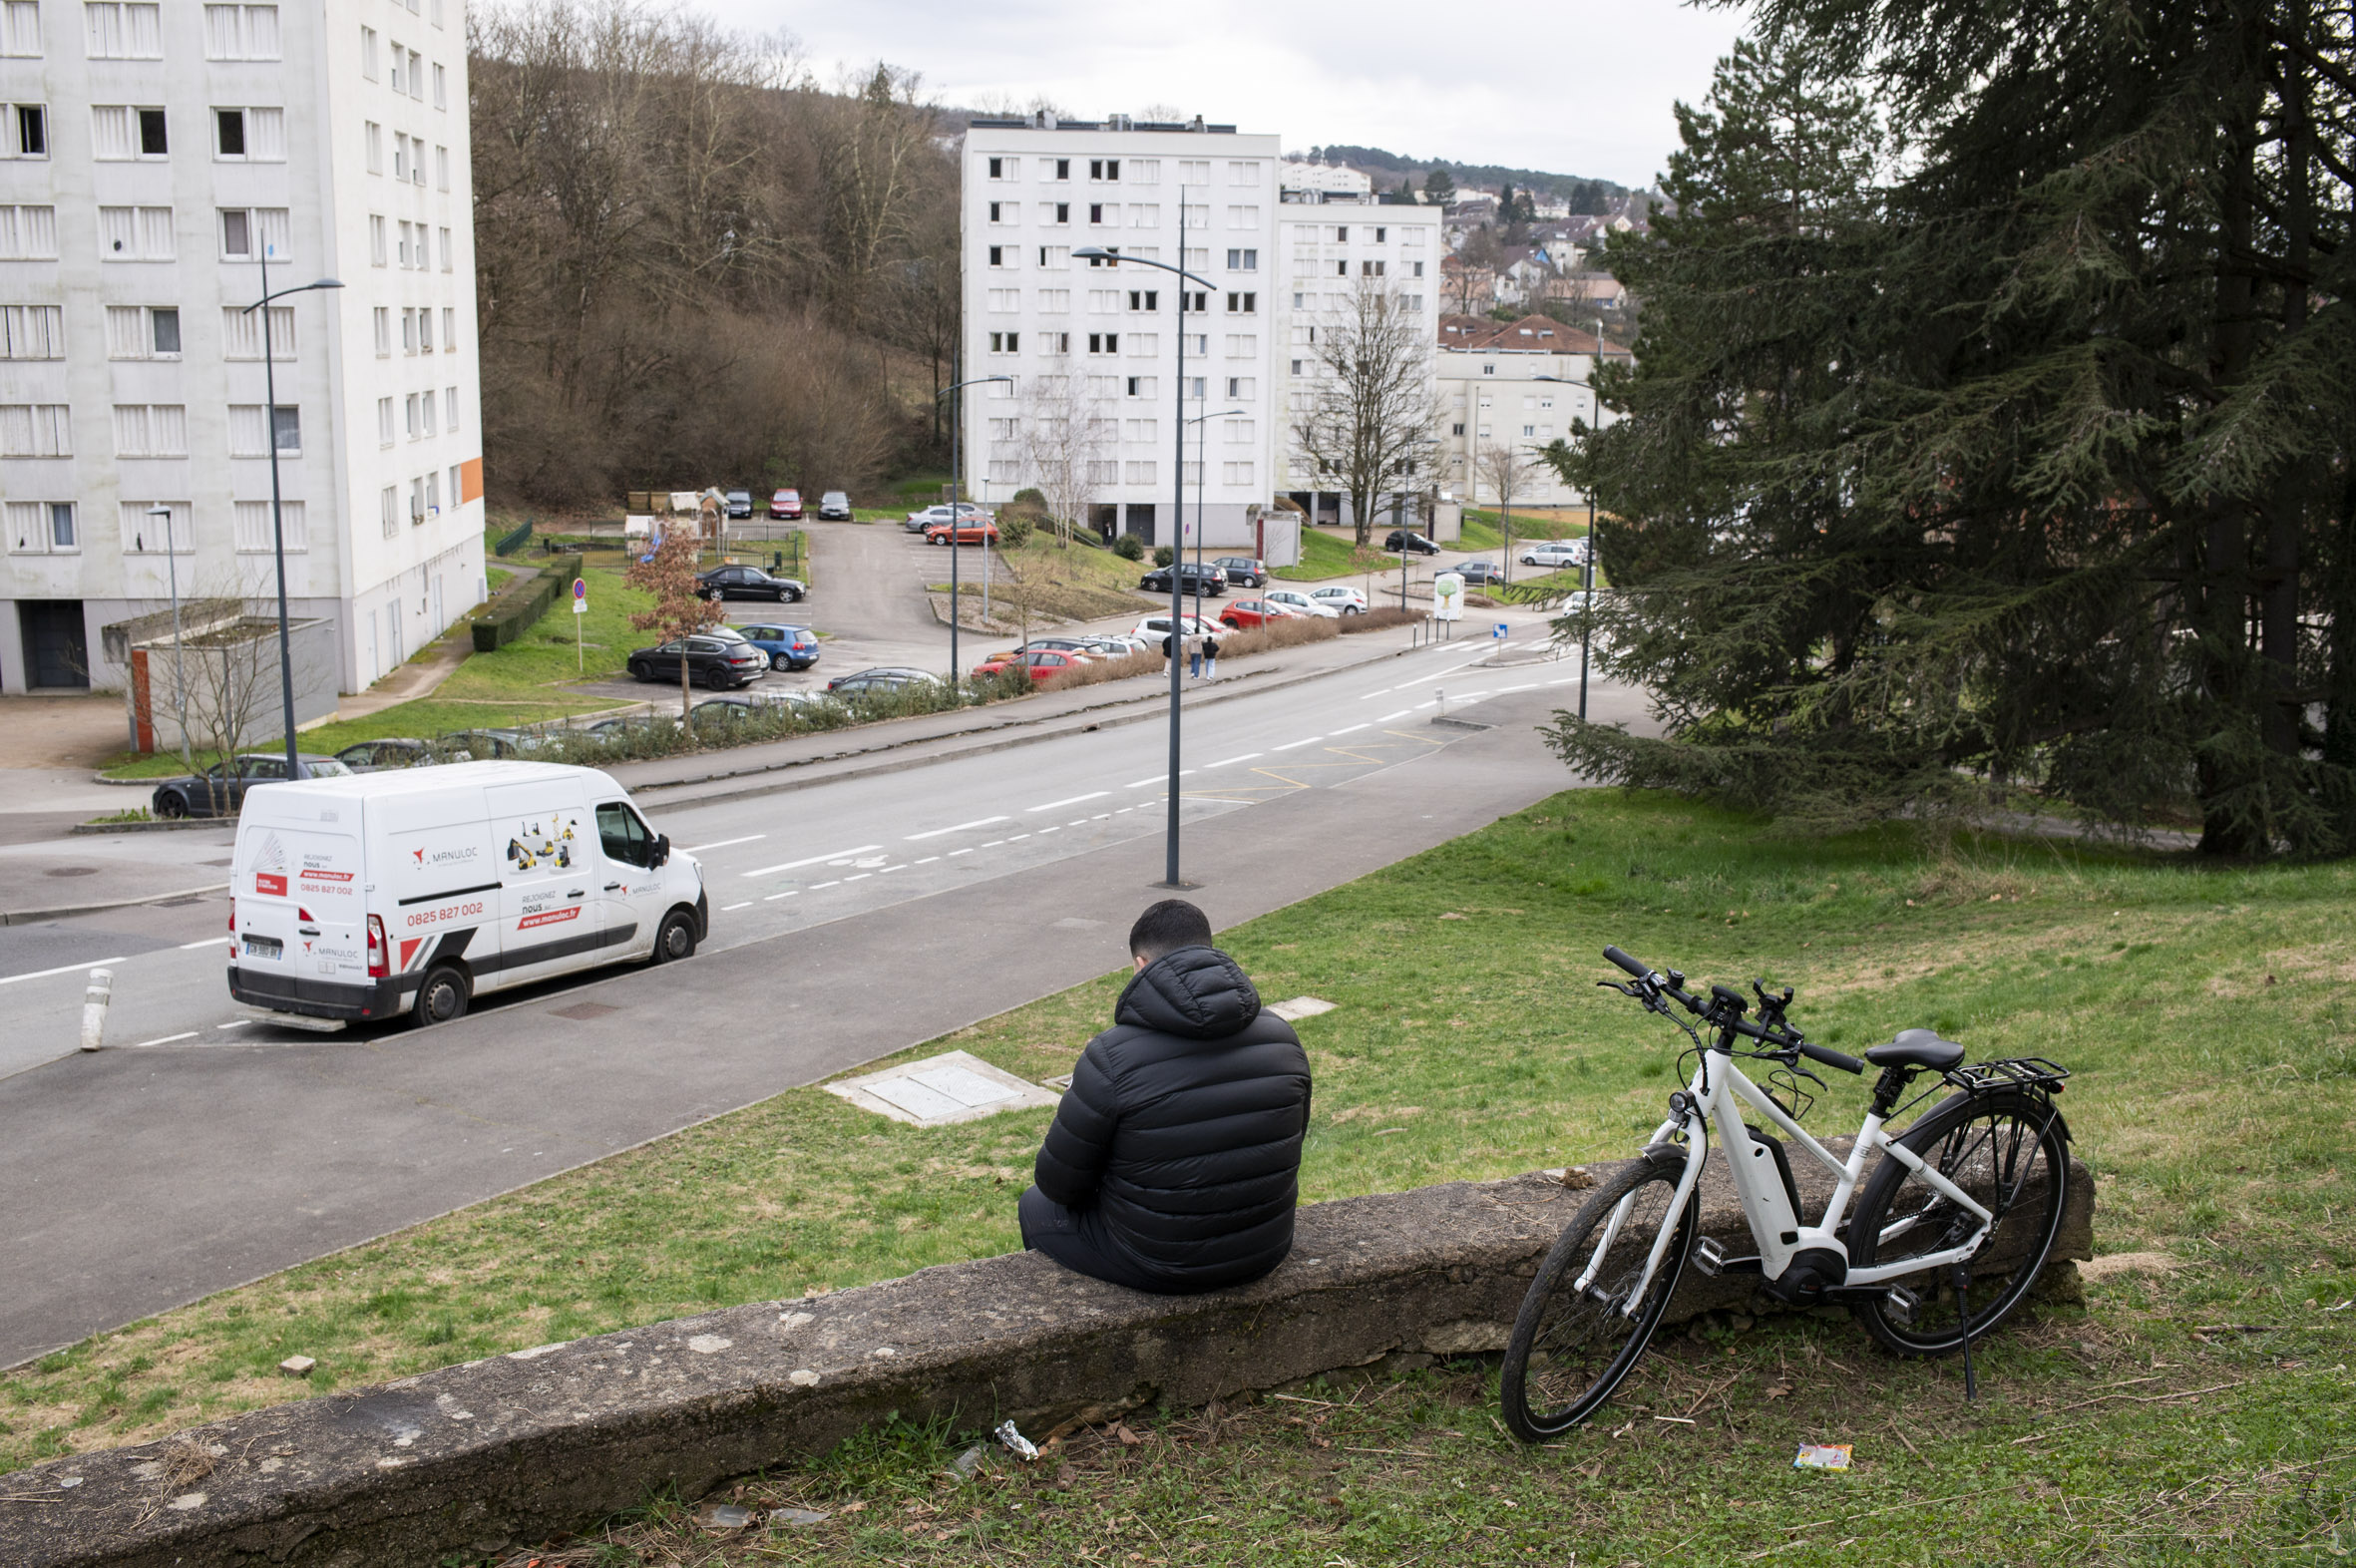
point(229, 133)
point(369, 53)
point(388, 501)
point(1242, 218)
point(124, 31)
point(32, 332)
point(1001, 256)
point(1144, 299)
point(408, 331)
point(249, 432)
point(1411, 301)
point(1457, 429)
point(120, 131)
point(376, 240)
point(240, 32)
point(449, 329)
point(38, 528)
point(433, 481)
point(425, 331)
point(1488, 370)
point(1055, 211)
point(372, 141)
point(143, 333)
point(154, 535)
point(249, 232)
point(1369, 269)
point(433, 420)
point(1236, 473)
point(1241, 387)
point(1247, 304)
point(445, 250)
point(998, 171)
point(383, 317)
point(1195, 300)
point(1145, 215)
point(135, 233)
point(1006, 342)
point(996, 211)
point(384, 420)
point(28, 130)
point(1243, 345)
point(1062, 167)
point(241, 333)
point(409, 413)
point(450, 418)
point(1054, 342)
point(1104, 168)
point(1243, 174)
point(1243, 260)
point(286, 429)
point(417, 512)
point(1104, 342)
point(441, 169)
point(1139, 473)
point(1111, 257)
point(20, 29)
point(256, 537)
point(1379, 234)
point(440, 88)
point(1296, 365)
point(36, 430)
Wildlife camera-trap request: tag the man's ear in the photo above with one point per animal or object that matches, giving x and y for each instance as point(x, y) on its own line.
point(1137, 961)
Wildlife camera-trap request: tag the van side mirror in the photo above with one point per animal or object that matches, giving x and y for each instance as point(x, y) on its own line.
point(662, 850)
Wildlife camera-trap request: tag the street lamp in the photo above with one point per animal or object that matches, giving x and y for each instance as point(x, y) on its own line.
point(1096, 253)
point(179, 679)
point(1199, 478)
point(1587, 567)
point(269, 381)
point(957, 610)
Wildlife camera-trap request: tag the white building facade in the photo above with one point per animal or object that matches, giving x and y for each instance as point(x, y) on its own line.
point(156, 155)
point(1515, 387)
point(1098, 343)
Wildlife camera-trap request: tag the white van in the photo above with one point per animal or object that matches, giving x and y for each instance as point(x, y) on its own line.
point(415, 890)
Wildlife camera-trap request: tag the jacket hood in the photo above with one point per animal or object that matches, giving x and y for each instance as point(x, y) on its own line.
point(1196, 993)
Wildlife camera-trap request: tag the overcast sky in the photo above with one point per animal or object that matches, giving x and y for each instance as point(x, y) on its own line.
point(1580, 89)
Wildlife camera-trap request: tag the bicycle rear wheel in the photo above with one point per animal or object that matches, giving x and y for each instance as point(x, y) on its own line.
point(1572, 1347)
point(2006, 1149)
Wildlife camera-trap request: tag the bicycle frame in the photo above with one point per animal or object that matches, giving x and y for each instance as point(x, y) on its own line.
point(1717, 1095)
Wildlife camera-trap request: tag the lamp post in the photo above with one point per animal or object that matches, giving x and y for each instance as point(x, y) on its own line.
point(269, 381)
point(1587, 567)
point(1200, 478)
point(179, 679)
point(1094, 254)
point(956, 517)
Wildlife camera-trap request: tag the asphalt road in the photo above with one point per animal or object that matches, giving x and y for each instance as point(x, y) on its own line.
point(850, 919)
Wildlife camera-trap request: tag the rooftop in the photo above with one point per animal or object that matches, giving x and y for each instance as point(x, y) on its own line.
point(1529, 335)
point(1047, 122)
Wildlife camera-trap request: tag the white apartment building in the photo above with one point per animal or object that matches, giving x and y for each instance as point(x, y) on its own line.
point(1097, 344)
point(1492, 397)
point(156, 156)
point(1334, 243)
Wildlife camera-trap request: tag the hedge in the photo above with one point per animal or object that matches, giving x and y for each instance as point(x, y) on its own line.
point(522, 611)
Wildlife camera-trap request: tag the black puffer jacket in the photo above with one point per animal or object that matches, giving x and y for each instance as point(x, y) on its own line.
point(1181, 1131)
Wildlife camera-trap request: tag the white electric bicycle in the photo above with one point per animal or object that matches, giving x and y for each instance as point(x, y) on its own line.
point(1954, 1217)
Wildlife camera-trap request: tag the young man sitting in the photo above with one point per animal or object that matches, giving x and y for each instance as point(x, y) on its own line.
point(1173, 1162)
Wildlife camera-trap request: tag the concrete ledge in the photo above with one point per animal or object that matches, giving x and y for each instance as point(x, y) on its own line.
point(62, 911)
point(521, 1446)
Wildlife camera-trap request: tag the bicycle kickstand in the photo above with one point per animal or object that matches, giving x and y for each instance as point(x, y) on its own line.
point(1962, 1278)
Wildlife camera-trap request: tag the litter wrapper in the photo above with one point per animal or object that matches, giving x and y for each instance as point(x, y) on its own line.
point(1822, 1456)
point(1027, 1450)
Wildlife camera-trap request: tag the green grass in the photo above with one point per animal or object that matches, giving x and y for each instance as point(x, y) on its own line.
point(1483, 533)
point(1326, 555)
point(2205, 1010)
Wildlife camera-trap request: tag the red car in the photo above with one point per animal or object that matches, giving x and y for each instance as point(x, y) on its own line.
point(1043, 662)
point(969, 531)
point(786, 504)
point(1254, 612)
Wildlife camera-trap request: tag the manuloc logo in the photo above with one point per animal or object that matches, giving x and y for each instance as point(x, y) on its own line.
point(269, 866)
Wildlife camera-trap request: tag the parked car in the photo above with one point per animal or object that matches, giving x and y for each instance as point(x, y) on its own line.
point(1208, 580)
point(1113, 644)
point(881, 678)
point(1255, 612)
point(1155, 628)
point(788, 647)
point(483, 746)
point(918, 521)
point(366, 898)
point(786, 504)
point(219, 790)
point(834, 507)
point(1479, 573)
point(1243, 571)
point(749, 583)
point(1043, 662)
point(740, 502)
point(716, 662)
point(1556, 554)
point(1400, 538)
point(375, 757)
point(1302, 605)
point(615, 728)
point(745, 706)
point(972, 529)
point(1349, 600)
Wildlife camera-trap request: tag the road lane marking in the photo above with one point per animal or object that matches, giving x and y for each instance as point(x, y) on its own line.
point(237, 1023)
point(746, 905)
point(64, 968)
point(993, 843)
point(1224, 761)
point(862, 876)
point(190, 946)
point(1014, 838)
point(838, 882)
point(813, 860)
point(1354, 729)
point(1506, 690)
point(888, 870)
point(1075, 800)
point(1565, 681)
point(787, 893)
point(697, 849)
point(1420, 706)
point(1388, 717)
point(1384, 692)
point(928, 860)
point(1311, 741)
point(166, 1040)
point(954, 853)
point(1043, 832)
point(977, 822)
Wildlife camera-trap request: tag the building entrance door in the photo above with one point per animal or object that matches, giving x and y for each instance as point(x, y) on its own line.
point(56, 651)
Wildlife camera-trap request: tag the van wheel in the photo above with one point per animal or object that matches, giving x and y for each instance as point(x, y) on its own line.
point(442, 998)
point(674, 939)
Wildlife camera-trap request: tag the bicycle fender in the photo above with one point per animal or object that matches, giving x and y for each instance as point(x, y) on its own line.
point(2061, 1124)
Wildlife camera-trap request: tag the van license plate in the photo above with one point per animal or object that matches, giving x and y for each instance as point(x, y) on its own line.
point(264, 946)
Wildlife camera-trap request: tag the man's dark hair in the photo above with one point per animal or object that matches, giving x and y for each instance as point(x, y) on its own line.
point(1167, 927)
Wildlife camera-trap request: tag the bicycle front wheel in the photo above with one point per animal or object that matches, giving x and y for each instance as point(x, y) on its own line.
point(1573, 1346)
point(2007, 1150)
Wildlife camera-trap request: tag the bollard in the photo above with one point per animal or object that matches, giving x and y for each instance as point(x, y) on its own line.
point(1442, 698)
point(93, 1009)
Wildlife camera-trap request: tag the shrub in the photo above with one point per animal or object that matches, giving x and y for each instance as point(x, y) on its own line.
point(1030, 501)
point(1381, 619)
point(1163, 554)
point(1015, 528)
point(1232, 644)
point(519, 614)
point(1129, 547)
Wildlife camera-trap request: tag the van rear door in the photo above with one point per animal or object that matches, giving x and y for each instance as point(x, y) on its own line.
point(300, 920)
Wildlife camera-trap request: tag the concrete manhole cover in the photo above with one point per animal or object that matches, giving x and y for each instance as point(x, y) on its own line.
point(939, 1090)
point(72, 871)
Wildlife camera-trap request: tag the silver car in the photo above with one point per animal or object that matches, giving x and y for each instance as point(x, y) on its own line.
point(1556, 554)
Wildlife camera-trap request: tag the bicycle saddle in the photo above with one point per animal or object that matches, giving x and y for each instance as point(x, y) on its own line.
point(1917, 1049)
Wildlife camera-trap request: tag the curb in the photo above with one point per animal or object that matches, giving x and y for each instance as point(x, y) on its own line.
point(161, 825)
point(28, 917)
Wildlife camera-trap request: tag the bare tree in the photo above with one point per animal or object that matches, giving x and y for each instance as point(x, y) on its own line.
point(232, 688)
point(1367, 422)
point(1063, 440)
point(1504, 469)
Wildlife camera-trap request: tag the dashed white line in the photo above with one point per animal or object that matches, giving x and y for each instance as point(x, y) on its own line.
point(1565, 681)
point(1506, 690)
point(1043, 832)
point(838, 882)
point(1388, 717)
point(1073, 800)
point(1124, 811)
point(977, 822)
point(165, 1041)
point(954, 853)
point(1354, 729)
point(1289, 744)
point(1384, 692)
point(1106, 816)
point(236, 1023)
point(888, 870)
point(862, 876)
point(1014, 838)
point(993, 843)
point(1429, 702)
point(746, 905)
point(697, 849)
point(928, 860)
point(790, 893)
point(1224, 761)
point(64, 968)
point(190, 946)
point(813, 860)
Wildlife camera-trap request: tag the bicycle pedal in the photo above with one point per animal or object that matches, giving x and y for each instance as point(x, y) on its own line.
point(1901, 1304)
point(1709, 1257)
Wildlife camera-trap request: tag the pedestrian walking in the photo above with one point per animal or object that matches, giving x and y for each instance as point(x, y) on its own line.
point(1210, 656)
point(1169, 649)
point(1194, 654)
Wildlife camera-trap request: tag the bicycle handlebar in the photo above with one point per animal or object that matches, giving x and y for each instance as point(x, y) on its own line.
point(1773, 1035)
point(1830, 1059)
point(1633, 966)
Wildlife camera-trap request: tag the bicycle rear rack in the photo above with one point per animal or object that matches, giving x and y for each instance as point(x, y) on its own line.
point(2034, 1074)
